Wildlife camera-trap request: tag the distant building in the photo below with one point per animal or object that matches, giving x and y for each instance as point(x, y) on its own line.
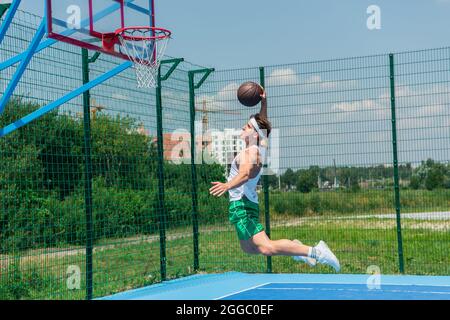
point(327, 185)
point(177, 146)
point(222, 146)
point(225, 145)
point(145, 132)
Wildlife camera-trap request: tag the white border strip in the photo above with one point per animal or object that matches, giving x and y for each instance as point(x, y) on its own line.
point(248, 289)
point(258, 287)
point(349, 283)
point(356, 290)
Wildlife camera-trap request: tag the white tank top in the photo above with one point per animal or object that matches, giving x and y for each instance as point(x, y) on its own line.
point(249, 188)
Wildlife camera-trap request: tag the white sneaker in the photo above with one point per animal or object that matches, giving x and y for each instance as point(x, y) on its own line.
point(309, 261)
point(325, 256)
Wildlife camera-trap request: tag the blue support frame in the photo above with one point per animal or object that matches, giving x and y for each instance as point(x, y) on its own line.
point(42, 111)
point(10, 62)
point(133, 6)
point(36, 46)
point(22, 67)
point(8, 18)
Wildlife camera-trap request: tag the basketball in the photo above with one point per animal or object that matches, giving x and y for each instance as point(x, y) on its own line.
point(249, 94)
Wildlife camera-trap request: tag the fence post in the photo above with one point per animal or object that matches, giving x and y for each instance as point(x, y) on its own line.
point(160, 142)
point(192, 87)
point(161, 208)
point(266, 182)
point(87, 175)
point(395, 158)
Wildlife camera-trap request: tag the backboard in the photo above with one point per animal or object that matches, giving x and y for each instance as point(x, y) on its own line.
point(90, 24)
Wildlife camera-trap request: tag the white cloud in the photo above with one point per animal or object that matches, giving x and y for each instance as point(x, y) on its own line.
point(120, 97)
point(222, 100)
point(314, 79)
point(429, 101)
point(282, 77)
point(363, 105)
point(410, 102)
point(228, 92)
point(317, 80)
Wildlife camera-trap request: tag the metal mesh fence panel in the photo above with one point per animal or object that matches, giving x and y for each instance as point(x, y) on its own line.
point(423, 96)
point(335, 149)
point(219, 118)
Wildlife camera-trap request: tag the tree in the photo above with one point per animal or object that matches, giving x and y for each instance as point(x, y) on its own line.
point(273, 181)
point(350, 177)
point(307, 179)
point(415, 182)
point(430, 175)
point(435, 177)
point(288, 178)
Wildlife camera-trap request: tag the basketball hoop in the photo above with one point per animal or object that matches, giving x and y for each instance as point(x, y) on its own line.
point(145, 47)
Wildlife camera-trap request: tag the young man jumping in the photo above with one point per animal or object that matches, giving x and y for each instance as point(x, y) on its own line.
point(241, 184)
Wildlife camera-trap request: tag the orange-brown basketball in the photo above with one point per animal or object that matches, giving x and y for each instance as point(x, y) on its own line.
point(249, 94)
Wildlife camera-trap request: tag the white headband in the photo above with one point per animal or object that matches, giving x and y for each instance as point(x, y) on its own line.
point(258, 130)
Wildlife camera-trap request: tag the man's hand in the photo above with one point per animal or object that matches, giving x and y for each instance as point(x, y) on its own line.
point(263, 95)
point(218, 189)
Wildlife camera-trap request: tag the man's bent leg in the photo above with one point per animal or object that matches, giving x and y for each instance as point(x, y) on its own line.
point(282, 247)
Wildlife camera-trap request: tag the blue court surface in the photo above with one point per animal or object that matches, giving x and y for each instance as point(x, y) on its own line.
point(242, 286)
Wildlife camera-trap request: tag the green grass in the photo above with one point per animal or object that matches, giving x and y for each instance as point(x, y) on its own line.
point(131, 263)
point(360, 244)
point(344, 202)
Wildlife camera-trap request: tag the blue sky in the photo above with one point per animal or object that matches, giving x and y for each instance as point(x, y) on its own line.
point(238, 33)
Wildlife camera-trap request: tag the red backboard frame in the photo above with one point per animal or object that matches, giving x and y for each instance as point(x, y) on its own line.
point(107, 39)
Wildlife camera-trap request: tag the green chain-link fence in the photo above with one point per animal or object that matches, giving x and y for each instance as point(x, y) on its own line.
point(91, 206)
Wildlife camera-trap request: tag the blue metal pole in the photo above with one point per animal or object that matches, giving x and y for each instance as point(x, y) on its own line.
point(12, 61)
point(33, 48)
point(8, 18)
point(42, 111)
point(21, 69)
point(137, 8)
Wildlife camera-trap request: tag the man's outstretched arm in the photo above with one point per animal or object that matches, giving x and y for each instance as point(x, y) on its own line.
point(247, 169)
point(263, 112)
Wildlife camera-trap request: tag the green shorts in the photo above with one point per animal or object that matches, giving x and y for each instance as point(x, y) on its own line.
point(244, 214)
